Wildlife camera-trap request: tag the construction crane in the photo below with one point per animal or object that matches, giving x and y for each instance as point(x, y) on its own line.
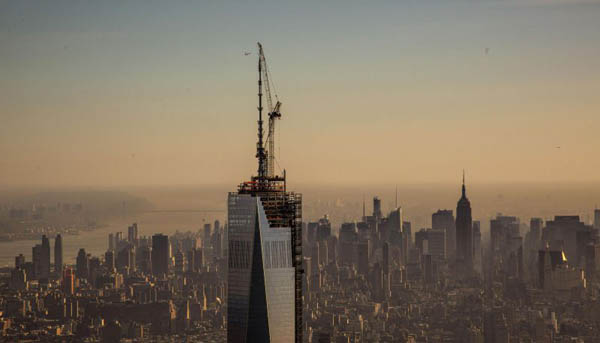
point(274, 112)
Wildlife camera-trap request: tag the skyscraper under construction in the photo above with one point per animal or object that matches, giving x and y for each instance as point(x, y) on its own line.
point(265, 245)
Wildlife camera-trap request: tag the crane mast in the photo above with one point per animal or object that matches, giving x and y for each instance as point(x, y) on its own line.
point(274, 112)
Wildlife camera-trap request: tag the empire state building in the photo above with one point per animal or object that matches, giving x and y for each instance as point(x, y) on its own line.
point(464, 235)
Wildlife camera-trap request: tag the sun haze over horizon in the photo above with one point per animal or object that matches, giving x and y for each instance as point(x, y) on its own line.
point(111, 93)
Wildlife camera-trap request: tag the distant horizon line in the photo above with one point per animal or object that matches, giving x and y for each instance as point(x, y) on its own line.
point(309, 185)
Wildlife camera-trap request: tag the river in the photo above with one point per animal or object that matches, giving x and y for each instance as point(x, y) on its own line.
point(96, 242)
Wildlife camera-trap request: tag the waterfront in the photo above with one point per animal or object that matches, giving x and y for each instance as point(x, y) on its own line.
point(96, 242)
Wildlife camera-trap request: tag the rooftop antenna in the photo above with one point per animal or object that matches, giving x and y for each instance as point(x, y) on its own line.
point(463, 184)
point(364, 213)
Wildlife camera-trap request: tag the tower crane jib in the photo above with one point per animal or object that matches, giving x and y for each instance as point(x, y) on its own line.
point(274, 113)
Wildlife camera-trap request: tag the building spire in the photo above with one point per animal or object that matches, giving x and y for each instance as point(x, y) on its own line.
point(463, 185)
point(364, 213)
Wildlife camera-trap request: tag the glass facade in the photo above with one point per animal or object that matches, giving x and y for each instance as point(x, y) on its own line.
point(261, 275)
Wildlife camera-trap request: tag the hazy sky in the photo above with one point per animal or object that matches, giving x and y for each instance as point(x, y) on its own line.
point(160, 92)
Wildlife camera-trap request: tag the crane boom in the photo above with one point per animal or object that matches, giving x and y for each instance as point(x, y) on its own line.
point(274, 113)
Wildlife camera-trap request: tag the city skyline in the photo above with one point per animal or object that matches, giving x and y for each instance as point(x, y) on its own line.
point(509, 83)
point(161, 181)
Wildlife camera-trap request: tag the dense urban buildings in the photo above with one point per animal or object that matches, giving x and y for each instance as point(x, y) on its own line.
point(371, 279)
point(267, 274)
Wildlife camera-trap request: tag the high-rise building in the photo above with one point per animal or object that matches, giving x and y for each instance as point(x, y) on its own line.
point(109, 261)
point(362, 252)
point(502, 229)
point(82, 264)
point(265, 253)
point(143, 259)
point(132, 234)
point(464, 235)
point(596, 218)
point(323, 229)
point(436, 243)
point(570, 234)
point(347, 243)
point(36, 258)
point(18, 279)
point(58, 255)
point(444, 220)
point(377, 214)
point(68, 281)
point(195, 260)
point(41, 259)
point(532, 244)
point(19, 261)
point(124, 258)
point(191, 259)
point(179, 262)
point(160, 254)
point(111, 242)
point(506, 245)
point(45, 257)
point(93, 270)
point(477, 255)
point(386, 269)
point(535, 227)
point(431, 242)
point(118, 239)
point(262, 265)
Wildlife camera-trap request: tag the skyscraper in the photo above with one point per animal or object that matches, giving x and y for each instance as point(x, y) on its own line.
point(82, 264)
point(132, 234)
point(477, 259)
point(362, 251)
point(36, 258)
point(45, 256)
point(111, 241)
point(19, 261)
point(160, 254)
point(68, 281)
point(324, 229)
point(41, 259)
point(265, 256)
point(58, 255)
point(464, 235)
point(377, 208)
point(109, 260)
point(444, 220)
point(179, 262)
point(596, 219)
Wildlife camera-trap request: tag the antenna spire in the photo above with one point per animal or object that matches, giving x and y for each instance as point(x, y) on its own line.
point(463, 185)
point(364, 213)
